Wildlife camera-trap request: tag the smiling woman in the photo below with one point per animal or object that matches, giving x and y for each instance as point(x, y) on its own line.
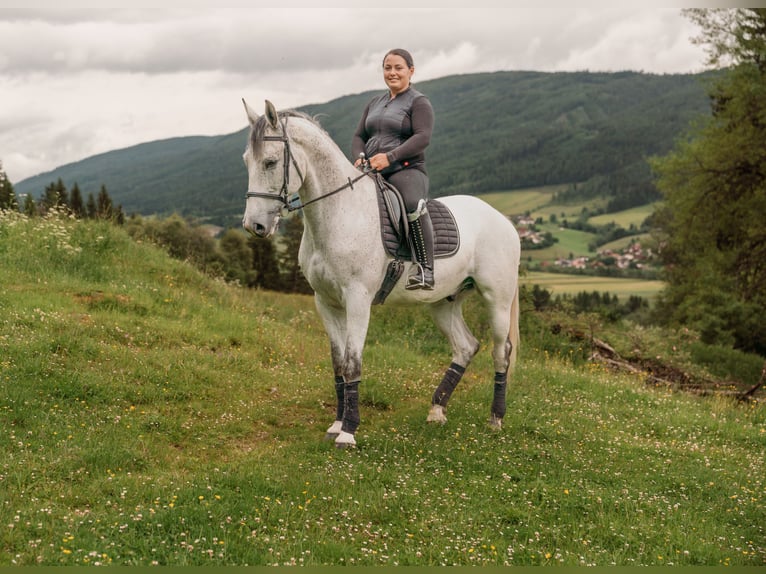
point(392, 135)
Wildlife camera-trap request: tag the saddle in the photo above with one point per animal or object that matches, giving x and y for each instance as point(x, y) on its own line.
point(394, 229)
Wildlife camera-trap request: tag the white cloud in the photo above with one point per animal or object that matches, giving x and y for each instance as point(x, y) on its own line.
point(83, 77)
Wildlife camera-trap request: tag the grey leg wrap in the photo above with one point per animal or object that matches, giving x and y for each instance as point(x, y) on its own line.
point(350, 407)
point(449, 382)
point(339, 385)
point(498, 401)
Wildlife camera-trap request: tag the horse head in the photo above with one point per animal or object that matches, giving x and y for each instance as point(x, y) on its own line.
point(270, 162)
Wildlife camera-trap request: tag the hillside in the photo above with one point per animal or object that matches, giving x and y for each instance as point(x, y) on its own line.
point(152, 416)
point(494, 132)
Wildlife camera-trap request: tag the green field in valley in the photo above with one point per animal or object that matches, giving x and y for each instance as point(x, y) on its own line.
point(563, 283)
point(572, 243)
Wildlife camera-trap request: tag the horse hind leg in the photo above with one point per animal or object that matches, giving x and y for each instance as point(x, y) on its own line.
point(505, 336)
point(448, 316)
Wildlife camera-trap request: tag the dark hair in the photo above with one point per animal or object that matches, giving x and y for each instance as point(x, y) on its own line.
point(400, 52)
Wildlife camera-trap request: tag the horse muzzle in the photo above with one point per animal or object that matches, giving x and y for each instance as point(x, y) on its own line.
point(260, 227)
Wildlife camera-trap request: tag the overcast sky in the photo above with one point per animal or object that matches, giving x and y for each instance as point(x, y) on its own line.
point(82, 77)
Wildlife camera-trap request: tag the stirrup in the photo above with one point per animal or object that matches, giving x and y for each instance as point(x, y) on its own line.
point(417, 280)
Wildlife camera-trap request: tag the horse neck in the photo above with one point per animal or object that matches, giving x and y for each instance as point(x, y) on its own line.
point(351, 209)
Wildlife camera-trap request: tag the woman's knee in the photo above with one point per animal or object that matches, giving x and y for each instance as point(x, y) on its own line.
point(412, 184)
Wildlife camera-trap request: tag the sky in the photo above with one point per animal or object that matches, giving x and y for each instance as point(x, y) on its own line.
point(82, 77)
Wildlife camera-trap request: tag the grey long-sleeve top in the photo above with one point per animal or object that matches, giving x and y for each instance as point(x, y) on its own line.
point(401, 128)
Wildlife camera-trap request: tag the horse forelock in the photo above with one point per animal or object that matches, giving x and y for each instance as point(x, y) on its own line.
point(258, 130)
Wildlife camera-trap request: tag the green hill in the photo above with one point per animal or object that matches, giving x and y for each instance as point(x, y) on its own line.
point(152, 416)
point(494, 132)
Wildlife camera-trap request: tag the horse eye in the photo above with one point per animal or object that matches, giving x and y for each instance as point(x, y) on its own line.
point(270, 164)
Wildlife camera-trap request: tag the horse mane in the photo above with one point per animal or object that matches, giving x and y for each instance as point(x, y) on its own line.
point(259, 128)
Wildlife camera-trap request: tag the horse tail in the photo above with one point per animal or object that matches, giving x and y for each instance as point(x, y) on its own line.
point(513, 333)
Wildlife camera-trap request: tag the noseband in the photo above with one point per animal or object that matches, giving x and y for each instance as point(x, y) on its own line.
point(289, 158)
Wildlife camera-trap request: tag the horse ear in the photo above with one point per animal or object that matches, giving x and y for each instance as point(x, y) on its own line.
point(251, 115)
point(271, 114)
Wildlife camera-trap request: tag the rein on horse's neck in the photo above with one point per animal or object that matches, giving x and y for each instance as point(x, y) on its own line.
point(338, 165)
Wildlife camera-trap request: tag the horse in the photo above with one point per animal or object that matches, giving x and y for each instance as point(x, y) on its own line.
point(290, 157)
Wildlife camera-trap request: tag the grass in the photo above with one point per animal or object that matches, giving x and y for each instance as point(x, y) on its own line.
point(571, 243)
point(520, 201)
point(149, 415)
point(537, 201)
point(634, 216)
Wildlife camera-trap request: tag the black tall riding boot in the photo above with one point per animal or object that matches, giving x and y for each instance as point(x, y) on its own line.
point(422, 234)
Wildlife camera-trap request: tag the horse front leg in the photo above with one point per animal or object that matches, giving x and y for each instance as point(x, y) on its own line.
point(347, 329)
point(334, 319)
point(357, 322)
point(340, 384)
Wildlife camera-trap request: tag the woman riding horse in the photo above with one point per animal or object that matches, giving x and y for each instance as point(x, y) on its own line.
point(393, 133)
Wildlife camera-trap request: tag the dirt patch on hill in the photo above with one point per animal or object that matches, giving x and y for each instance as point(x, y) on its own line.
point(659, 373)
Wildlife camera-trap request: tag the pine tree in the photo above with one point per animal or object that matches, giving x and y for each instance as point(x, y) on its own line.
point(62, 197)
point(30, 207)
point(75, 202)
point(91, 209)
point(51, 196)
point(7, 196)
point(104, 204)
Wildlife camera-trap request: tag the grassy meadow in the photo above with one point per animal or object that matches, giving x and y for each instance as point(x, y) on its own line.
point(151, 415)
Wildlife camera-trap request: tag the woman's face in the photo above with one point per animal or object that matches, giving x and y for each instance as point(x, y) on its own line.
point(396, 74)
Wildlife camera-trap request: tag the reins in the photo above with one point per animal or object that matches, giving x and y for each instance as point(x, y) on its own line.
point(348, 185)
point(290, 159)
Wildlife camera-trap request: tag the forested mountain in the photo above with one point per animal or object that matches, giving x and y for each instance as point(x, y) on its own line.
point(494, 132)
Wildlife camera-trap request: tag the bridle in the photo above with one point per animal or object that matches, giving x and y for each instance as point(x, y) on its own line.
point(289, 159)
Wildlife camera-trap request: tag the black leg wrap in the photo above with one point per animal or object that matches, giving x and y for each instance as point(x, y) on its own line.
point(350, 407)
point(339, 384)
point(498, 401)
point(449, 382)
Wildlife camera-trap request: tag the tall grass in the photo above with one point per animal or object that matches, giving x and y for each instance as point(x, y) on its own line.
point(149, 415)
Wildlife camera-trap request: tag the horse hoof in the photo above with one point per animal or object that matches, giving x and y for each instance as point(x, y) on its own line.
point(495, 423)
point(334, 430)
point(436, 415)
point(345, 440)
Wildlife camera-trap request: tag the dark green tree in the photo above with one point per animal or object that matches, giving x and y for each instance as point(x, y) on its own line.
point(54, 195)
point(292, 276)
point(264, 264)
point(76, 203)
point(237, 257)
point(7, 196)
point(30, 207)
point(91, 209)
point(104, 208)
point(711, 228)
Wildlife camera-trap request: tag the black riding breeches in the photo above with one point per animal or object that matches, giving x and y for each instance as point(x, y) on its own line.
point(412, 184)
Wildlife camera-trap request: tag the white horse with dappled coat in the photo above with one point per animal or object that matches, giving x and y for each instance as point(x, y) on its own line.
point(344, 260)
